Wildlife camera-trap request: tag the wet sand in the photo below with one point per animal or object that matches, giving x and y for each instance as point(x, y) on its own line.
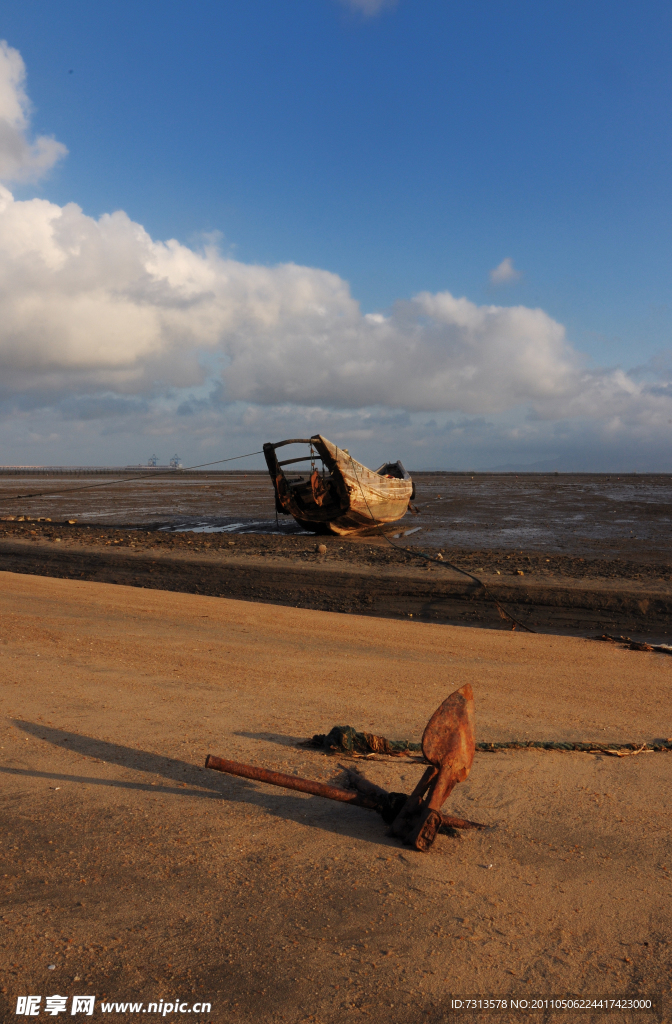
point(593, 516)
point(142, 876)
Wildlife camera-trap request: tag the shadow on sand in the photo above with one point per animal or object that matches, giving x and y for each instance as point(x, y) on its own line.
point(185, 779)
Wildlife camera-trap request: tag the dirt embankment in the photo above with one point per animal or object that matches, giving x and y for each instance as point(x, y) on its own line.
point(545, 590)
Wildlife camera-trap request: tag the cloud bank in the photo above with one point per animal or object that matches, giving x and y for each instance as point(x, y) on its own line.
point(20, 159)
point(98, 305)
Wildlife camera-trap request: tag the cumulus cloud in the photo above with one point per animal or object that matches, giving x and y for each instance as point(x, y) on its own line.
point(505, 272)
point(98, 306)
point(20, 159)
point(99, 303)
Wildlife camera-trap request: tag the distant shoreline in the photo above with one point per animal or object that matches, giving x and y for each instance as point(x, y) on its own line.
point(20, 471)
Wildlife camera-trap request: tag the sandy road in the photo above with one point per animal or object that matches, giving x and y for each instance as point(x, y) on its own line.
point(140, 876)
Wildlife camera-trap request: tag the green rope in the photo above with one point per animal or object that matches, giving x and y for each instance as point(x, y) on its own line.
point(553, 745)
point(345, 739)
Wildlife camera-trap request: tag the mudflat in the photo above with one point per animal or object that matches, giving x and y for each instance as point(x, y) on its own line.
point(139, 876)
point(591, 515)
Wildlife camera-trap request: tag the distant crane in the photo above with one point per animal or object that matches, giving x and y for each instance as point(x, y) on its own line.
point(176, 462)
point(153, 461)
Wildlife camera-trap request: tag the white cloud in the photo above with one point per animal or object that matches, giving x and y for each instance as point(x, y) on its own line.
point(505, 272)
point(97, 306)
point(89, 303)
point(20, 159)
point(369, 8)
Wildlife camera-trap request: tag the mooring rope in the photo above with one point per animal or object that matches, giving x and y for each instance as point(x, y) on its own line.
point(441, 561)
point(594, 748)
point(125, 480)
point(345, 739)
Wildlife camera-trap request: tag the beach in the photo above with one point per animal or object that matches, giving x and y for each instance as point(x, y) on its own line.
point(139, 875)
point(371, 729)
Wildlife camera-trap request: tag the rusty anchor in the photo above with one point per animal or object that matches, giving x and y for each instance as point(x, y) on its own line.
point(448, 745)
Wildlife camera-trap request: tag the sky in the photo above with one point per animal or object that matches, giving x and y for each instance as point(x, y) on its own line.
point(434, 231)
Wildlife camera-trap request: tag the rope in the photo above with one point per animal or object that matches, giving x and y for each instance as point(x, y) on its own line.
point(440, 561)
point(344, 739)
point(595, 748)
point(125, 480)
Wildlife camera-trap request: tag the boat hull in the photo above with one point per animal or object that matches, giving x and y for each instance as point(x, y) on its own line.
point(346, 498)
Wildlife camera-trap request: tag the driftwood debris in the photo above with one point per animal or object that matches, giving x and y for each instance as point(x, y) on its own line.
point(634, 645)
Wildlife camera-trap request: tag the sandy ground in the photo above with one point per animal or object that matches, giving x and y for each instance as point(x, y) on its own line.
point(140, 876)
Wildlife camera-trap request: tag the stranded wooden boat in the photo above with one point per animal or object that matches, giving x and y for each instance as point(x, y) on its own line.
point(338, 495)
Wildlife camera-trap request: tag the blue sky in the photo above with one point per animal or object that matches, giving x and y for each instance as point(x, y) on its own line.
point(409, 149)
